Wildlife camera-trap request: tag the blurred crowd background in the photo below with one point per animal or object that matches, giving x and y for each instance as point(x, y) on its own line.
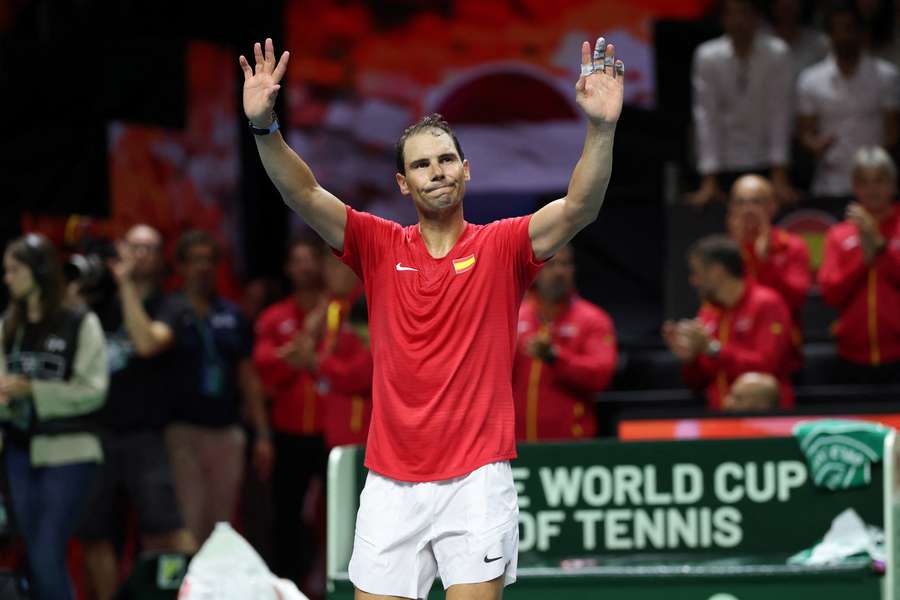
point(747, 258)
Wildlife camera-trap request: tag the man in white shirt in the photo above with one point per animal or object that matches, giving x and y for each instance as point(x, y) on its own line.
point(847, 101)
point(742, 95)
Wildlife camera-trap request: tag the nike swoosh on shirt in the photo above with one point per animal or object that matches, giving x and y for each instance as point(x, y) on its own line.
point(490, 560)
point(400, 267)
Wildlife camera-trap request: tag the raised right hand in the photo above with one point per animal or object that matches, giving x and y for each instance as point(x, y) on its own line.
point(261, 87)
point(123, 266)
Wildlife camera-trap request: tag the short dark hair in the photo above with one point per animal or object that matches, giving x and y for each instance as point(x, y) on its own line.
point(432, 121)
point(719, 249)
point(195, 237)
point(840, 7)
point(755, 5)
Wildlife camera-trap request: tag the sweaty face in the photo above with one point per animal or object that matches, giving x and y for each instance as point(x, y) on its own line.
point(557, 278)
point(18, 277)
point(435, 175)
point(304, 267)
point(875, 190)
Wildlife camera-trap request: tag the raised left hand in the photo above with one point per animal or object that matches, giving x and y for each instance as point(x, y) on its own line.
point(600, 89)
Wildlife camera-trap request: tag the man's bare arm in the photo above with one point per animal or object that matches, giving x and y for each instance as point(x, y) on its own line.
point(291, 176)
point(148, 336)
point(599, 93)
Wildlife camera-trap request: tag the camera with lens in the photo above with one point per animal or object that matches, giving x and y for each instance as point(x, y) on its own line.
point(88, 269)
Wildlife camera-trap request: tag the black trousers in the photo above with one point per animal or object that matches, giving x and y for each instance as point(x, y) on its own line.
point(298, 459)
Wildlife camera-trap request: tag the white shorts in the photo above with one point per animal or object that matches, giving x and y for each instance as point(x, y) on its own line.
point(465, 529)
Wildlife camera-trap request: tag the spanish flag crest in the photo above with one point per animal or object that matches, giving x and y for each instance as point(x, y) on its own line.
point(461, 265)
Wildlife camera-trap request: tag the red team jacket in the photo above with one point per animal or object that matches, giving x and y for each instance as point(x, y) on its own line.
point(754, 335)
point(555, 401)
point(296, 407)
point(345, 379)
point(867, 297)
point(786, 270)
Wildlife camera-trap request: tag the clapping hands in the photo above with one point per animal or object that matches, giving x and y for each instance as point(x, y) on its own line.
point(686, 338)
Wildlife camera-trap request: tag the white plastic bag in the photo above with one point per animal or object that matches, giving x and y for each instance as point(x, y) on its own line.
point(228, 568)
point(848, 536)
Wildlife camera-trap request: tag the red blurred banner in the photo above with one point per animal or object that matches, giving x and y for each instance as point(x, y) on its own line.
point(174, 180)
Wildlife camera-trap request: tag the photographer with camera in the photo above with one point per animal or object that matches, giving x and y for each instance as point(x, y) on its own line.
point(138, 333)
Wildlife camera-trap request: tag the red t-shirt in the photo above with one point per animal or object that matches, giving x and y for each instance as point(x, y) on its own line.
point(443, 336)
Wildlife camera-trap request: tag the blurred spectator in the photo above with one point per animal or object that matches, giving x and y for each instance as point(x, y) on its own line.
point(752, 392)
point(211, 371)
point(860, 273)
point(772, 256)
point(343, 361)
point(258, 293)
point(741, 105)
point(741, 327)
point(844, 102)
point(877, 17)
point(566, 354)
point(53, 379)
point(283, 354)
point(806, 44)
point(890, 51)
point(136, 466)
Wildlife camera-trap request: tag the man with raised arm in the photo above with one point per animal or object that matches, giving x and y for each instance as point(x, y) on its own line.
point(443, 299)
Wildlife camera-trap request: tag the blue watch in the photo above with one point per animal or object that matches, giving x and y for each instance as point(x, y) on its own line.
point(265, 130)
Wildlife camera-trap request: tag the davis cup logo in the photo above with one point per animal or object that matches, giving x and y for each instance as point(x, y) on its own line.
point(838, 462)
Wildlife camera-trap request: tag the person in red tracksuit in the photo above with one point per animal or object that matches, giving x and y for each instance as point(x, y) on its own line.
point(742, 326)
point(281, 354)
point(772, 256)
point(566, 353)
point(860, 273)
point(343, 360)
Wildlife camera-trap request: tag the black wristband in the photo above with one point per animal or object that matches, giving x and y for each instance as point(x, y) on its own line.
point(265, 130)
